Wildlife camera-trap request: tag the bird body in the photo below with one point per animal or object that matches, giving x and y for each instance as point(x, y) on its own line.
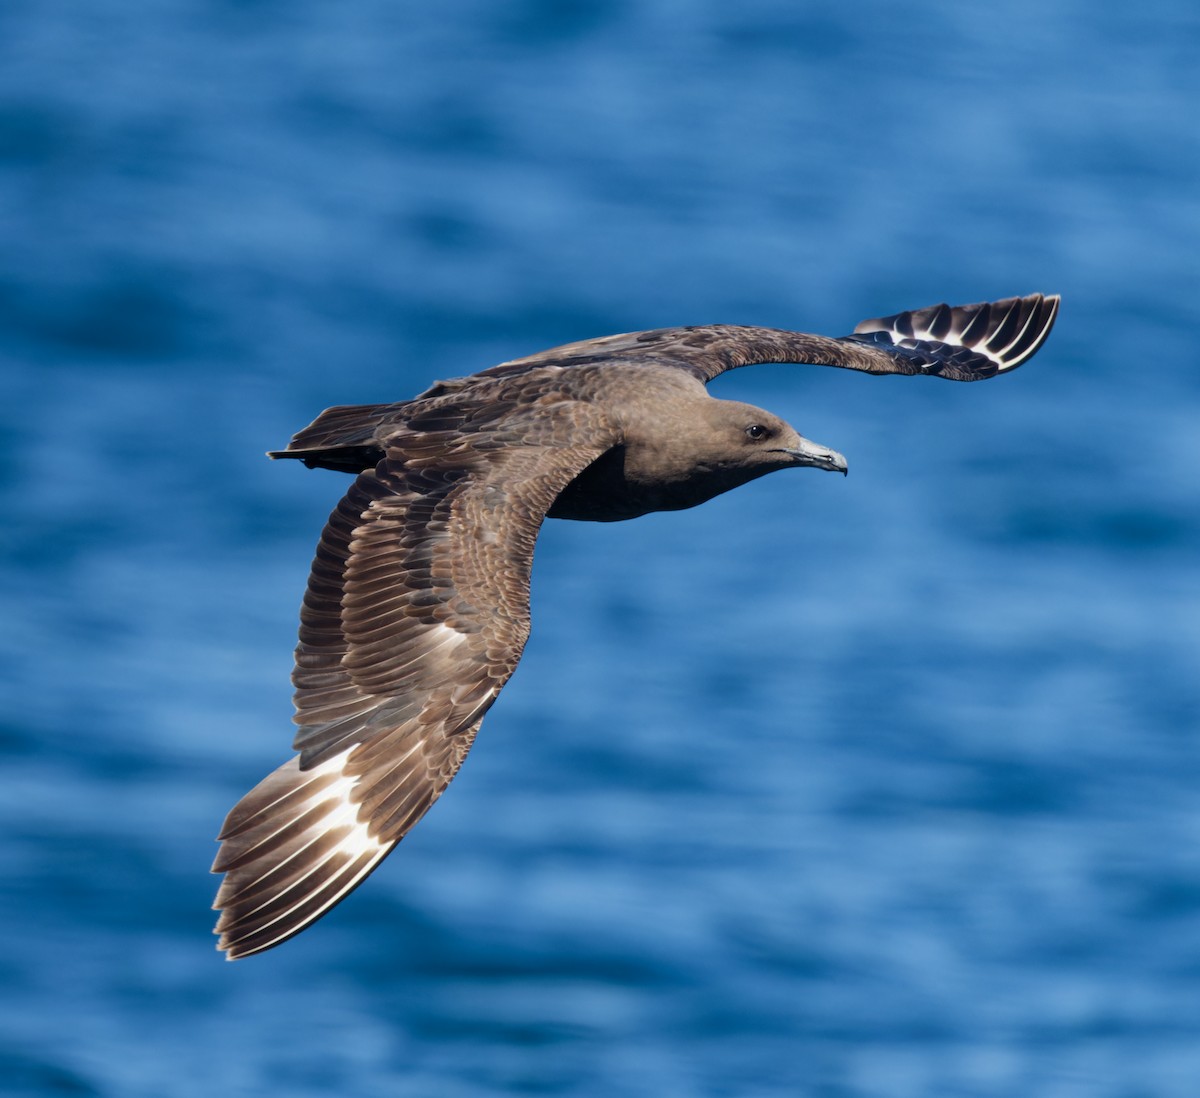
point(417, 607)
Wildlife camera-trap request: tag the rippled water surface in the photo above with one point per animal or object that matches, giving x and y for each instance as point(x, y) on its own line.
point(879, 786)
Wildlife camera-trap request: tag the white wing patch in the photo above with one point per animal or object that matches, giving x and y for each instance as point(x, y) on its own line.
point(442, 635)
point(341, 810)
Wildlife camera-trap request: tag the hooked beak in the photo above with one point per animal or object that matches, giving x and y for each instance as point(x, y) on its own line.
point(820, 457)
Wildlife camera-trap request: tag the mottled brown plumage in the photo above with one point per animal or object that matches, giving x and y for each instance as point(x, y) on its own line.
point(417, 606)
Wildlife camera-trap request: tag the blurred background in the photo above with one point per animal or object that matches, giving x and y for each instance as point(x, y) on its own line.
point(876, 786)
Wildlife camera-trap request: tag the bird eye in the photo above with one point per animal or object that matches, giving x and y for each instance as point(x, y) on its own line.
point(756, 431)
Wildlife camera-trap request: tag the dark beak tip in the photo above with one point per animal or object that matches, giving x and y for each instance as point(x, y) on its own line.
point(837, 464)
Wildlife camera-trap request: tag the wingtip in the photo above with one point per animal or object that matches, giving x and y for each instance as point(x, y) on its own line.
point(292, 849)
point(1032, 318)
point(998, 335)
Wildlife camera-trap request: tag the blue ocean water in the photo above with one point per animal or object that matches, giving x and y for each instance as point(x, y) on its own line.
point(879, 786)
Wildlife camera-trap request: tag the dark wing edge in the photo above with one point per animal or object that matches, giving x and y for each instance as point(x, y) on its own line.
point(963, 342)
point(416, 615)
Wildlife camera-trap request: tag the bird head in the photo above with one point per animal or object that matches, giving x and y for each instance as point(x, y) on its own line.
point(740, 436)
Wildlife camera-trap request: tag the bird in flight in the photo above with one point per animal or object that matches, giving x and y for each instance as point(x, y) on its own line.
point(417, 606)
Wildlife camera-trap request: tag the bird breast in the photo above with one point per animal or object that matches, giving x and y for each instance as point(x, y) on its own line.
point(616, 487)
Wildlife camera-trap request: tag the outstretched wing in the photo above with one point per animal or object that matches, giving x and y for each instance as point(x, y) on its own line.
point(963, 343)
point(416, 614)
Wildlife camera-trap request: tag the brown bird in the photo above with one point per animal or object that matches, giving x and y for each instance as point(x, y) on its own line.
point(417, 607)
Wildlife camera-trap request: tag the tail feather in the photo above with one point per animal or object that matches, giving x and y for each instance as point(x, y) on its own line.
point(341, 438)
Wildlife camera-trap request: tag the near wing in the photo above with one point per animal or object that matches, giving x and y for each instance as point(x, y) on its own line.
point(416, 614)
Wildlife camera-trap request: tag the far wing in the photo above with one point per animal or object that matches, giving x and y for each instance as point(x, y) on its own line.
point(962, 343)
